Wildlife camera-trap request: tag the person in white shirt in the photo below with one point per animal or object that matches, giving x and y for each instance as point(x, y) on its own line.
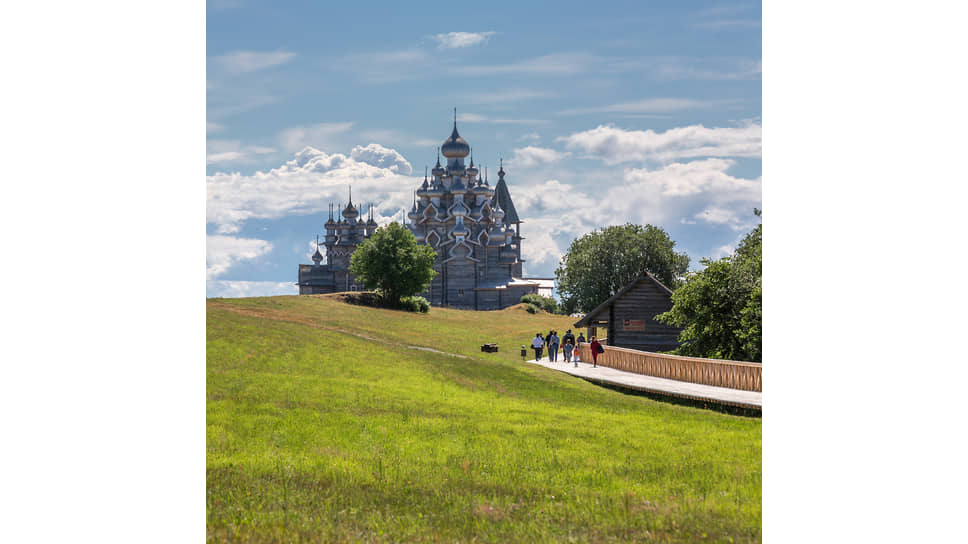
point(537, 344)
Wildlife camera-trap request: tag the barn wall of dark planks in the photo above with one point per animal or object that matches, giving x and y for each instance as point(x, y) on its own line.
point(629, 317)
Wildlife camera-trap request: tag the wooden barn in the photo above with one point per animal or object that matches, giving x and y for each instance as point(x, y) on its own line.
point(628, 317)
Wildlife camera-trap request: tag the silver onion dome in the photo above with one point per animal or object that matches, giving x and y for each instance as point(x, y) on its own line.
point(455, 146)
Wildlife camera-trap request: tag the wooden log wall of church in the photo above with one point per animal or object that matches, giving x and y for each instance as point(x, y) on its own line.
point(460, 284)
point(488, 300)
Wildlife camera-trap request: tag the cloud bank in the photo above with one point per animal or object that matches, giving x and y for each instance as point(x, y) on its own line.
point(221, 252)
point(232, 289)
point(307, 184)
point(615, 145)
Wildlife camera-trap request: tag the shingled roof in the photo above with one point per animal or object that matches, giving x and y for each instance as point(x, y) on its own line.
point(504, 199)
point(590, 316)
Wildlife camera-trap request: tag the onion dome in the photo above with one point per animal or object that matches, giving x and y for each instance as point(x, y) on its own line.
point(350, 211)
point(496, 212)
point(423, 190)
point(434, 189)
point(423, 186)
point(455, 147)
point(472, 170)
point(414, 214)
point(459, 229)
point(458, 186)
point(459, 209)
point(317, 257)
point(438, 169)
point(508, 234)
point(480, 189)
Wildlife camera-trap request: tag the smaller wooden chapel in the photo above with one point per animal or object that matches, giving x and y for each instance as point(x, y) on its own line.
point(628, 317)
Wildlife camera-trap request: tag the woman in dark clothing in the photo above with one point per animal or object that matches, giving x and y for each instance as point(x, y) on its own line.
point(596, 345)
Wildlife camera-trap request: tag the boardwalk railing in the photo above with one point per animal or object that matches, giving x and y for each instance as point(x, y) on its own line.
point(717, 372)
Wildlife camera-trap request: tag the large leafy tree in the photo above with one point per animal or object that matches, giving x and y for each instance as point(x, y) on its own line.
point(601, 262)
point(393, 263)
point(721, 308)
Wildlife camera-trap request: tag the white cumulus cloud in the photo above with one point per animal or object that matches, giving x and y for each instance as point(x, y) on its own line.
point(525, 157)
point(454, 40)
point(706, 177)
point(221, 252)
point(235, 289)
point(678, 195)
point(614, 145)
point(304, 185)
point(382, 157)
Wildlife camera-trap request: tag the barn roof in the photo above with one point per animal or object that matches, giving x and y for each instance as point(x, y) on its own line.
point(592, 315)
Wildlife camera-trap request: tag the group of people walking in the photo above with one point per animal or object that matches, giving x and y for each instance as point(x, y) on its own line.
point(568, 344)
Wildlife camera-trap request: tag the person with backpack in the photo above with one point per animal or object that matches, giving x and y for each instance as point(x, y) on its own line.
point(537, 344)
point(596, 349)
point(553, 347)
point(568, 336)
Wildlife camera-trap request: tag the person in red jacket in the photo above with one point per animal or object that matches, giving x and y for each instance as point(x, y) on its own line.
point(596, 348)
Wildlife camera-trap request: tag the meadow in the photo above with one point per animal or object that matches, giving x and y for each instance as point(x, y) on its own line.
point(329, 422)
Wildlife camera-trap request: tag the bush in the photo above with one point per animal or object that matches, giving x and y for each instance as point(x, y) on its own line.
point(531, 308)
point(547, 304)
point(415, 304)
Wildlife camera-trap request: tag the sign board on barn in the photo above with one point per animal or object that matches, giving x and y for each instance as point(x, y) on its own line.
point(633, 324)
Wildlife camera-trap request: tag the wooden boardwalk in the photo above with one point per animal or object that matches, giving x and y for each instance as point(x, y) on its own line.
point(694, 391)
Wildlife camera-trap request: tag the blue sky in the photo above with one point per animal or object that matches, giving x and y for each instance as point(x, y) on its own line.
point(103, 131)
point(603, 114)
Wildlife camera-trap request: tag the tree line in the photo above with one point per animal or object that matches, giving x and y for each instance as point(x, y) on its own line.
point(719, 308)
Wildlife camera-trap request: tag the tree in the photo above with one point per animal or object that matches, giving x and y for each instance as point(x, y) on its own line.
point(720, 309)
point(393, 263)
point(600, 263)
point(548, 304)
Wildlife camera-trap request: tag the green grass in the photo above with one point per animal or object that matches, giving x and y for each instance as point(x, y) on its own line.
point(315, 435)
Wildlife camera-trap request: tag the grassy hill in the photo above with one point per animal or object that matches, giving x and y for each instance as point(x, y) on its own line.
point(328, 422)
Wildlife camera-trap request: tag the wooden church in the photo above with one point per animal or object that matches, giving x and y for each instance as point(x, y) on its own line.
point(474, 229)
